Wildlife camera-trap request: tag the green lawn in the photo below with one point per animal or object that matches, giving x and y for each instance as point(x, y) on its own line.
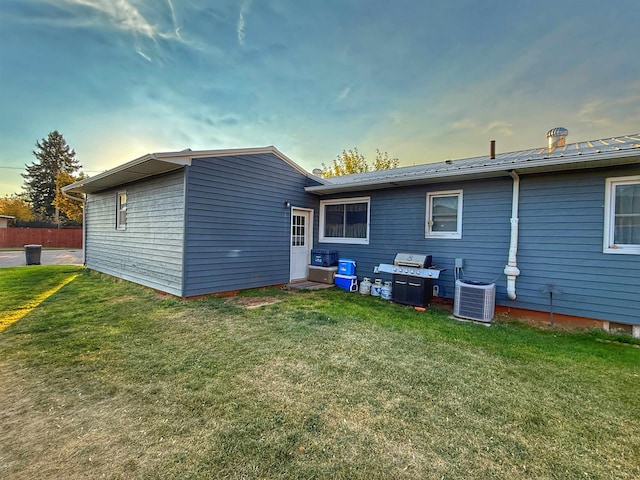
point(106, 379)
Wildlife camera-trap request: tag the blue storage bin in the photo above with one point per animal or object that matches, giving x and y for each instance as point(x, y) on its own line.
point(346, 282)
point(324, 258)
point(346, 266)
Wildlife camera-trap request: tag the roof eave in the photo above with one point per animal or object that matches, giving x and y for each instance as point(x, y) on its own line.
point(159, 163)
point(138, 169)
point(486, 171)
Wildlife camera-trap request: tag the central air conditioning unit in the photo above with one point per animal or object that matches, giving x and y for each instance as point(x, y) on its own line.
point(475, 301)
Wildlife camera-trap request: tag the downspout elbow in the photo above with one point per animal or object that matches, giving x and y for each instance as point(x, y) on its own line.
point(71, 197)
point(511, 272)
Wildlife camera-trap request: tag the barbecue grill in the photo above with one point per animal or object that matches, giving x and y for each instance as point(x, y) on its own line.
point(412, 278)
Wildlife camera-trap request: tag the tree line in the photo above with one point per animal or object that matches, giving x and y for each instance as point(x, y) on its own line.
point(41, 199)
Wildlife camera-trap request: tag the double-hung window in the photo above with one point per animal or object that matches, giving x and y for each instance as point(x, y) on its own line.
point(444, 215)
point(622, 215)
point(121, 211)
point(345, 220)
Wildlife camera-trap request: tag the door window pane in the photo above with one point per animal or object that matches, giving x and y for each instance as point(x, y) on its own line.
point(298, 231)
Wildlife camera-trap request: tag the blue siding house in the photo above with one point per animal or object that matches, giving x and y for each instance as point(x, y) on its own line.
point(193, 223)
point(563, 218)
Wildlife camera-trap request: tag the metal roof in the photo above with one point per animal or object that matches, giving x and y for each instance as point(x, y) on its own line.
point(158, 163)
point(623, 150)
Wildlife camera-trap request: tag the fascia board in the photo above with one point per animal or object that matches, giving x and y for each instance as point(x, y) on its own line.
point(128, 172)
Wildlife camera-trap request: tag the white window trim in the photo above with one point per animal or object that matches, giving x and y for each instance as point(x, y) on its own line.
point(118, 211)
point(339, 201)
point(429, 221)
point(609, 211)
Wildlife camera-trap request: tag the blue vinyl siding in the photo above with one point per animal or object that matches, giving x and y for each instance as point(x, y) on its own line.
point(561, 235)
point(398, 219)
point(237, 224)
point(561, 221)
point(149, 250)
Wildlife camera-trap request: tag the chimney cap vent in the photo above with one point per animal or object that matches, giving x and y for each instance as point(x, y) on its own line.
point(557, 137)
point(557, 132)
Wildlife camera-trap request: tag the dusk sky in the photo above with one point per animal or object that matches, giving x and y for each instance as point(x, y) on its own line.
point(423, 80)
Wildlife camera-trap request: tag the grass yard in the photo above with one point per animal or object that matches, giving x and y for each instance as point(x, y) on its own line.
point(106, 379)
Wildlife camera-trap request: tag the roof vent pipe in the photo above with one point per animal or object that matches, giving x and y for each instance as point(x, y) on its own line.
point(492, 150)
point(557, 137)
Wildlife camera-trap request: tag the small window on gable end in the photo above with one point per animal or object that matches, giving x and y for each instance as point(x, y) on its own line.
point(444, 215)
point(622, 215)
point(121, 211)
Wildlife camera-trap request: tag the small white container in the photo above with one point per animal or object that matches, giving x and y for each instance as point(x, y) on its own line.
point(385, 291)
point(365, 286)
point(376, 288)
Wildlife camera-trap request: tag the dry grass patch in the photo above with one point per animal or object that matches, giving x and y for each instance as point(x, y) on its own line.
point(254, 302)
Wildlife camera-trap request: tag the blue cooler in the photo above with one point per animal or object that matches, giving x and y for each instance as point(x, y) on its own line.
point(346, 282)
point(324, 258)
point(346, 266)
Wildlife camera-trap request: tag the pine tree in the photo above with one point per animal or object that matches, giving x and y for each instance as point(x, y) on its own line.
point(53, 156)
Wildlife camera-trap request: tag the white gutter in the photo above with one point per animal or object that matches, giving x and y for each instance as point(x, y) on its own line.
point(84, 221)
point(511, 270)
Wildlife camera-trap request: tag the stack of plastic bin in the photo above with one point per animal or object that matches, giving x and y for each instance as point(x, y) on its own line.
point(346, 278)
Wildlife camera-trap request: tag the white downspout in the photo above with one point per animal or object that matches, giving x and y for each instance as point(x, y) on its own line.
point(511, 270)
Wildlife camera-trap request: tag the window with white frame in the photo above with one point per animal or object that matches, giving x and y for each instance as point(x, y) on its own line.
point(622, 215)
point(444, 215)
point(121, 211)
point(345, 220)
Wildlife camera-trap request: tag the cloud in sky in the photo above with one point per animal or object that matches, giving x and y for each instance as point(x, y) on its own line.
point(424, 81)
point(244, 9)
point(120, 14)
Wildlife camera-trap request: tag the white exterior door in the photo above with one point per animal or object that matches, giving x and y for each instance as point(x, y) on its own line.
point(301, 238)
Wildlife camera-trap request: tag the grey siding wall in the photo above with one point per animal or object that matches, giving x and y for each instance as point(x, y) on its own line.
point(237, 224)
point(560, 242)
point(149, 251)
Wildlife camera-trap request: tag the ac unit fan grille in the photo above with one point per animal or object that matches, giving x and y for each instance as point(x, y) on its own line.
point(474, 302)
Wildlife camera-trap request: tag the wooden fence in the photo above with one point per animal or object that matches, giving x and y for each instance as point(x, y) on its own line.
point(47, 237)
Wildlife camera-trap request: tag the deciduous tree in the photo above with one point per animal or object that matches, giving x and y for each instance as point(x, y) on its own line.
point(384, 162)
point(16, 206)
point(352, 161)
point(72, 209)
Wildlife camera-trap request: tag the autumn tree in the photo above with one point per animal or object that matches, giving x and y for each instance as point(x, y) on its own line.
point(384, 162)
point(53, 155)
point(352, 161)
point(72, 209)
point(16, 206)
